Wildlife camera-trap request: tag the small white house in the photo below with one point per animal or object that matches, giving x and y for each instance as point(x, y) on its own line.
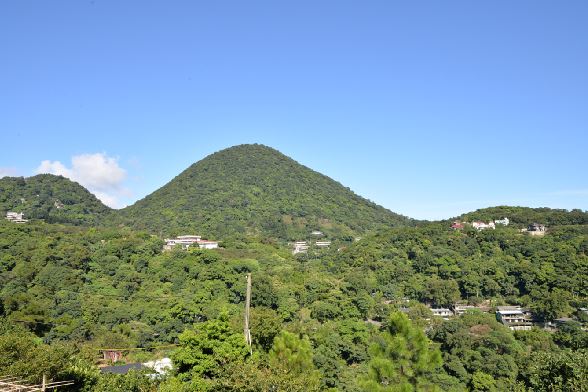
point(16, 217)
point(300, 247)
point(505, 221)
point(442, 312)
point(323, 244)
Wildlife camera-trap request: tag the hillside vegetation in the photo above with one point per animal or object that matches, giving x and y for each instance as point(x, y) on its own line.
point(353, 316)
point(522, 216)
point(253, 190)
point(315, 317)
point(54, 199)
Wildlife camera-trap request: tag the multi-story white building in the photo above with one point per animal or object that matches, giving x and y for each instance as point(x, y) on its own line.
point(300, 247)
point(16, 217)
point(185, 241)
point(514, 317)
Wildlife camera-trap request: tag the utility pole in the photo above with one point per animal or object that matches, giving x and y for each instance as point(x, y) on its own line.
point(246, 329)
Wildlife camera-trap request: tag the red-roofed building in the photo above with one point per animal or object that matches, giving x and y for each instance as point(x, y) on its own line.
point(457, 225)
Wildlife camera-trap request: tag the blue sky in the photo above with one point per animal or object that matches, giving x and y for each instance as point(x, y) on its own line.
point(428, 108)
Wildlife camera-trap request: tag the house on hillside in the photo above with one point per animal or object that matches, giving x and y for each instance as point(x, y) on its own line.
point(185, 241)
point(536, 229)
point(300, 247)
point(514, 317)
point(479, 225)
point(323, 244)
point(206, 244)
point(457, 225)
point(458, 310)
point(442, 312)
point(505, 221)
point(16, 217)
point(317, 233)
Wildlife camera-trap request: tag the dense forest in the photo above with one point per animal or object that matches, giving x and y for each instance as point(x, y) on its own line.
point(54, 199)
point(78, 279)
point(325, 320)
point(255, 191)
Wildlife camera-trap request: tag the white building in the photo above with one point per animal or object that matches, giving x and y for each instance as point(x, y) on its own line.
point(503, 221)
point(317, 233)
point(204, 244)
point(479, 225)
point(16, 217)
point(186, 240)
point(323, 244)
point(514, 317)
point(442, 312)
point(458, 310)
point(300, 247)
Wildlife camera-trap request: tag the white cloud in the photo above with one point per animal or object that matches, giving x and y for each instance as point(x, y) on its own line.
point(56, 168)
point(98, 172)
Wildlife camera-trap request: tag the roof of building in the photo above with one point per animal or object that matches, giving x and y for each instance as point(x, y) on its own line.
point(510, 312)
point(122, 369)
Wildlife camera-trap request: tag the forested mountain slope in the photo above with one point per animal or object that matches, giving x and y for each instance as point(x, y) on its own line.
point(522, 216)
point(254, 190)
point(55, 199)
point(113, 287)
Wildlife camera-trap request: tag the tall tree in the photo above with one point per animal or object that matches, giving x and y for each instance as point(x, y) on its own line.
point(402, 359)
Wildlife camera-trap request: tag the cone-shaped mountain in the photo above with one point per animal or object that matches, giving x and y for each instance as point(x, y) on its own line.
point(54, 199)
point(255, 190)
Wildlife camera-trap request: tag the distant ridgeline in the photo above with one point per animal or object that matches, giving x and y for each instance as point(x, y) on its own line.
point(246, 191)
point(255, 191)
point(54, 199)
point(523, 216)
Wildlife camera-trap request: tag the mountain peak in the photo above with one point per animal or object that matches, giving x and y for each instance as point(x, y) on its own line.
point(253, 189)
point(55, 199)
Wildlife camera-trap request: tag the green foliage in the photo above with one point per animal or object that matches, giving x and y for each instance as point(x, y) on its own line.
point(402, 358)
point(265, 325)
point(476, 347)
point(24, 355)
point(54, 199)
point(205, 350)
point(113, 287)
point(571, 335)
point(291, 356)
point(565, 371)
point(522, 216)
point(253, 190)
point(134, 381)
